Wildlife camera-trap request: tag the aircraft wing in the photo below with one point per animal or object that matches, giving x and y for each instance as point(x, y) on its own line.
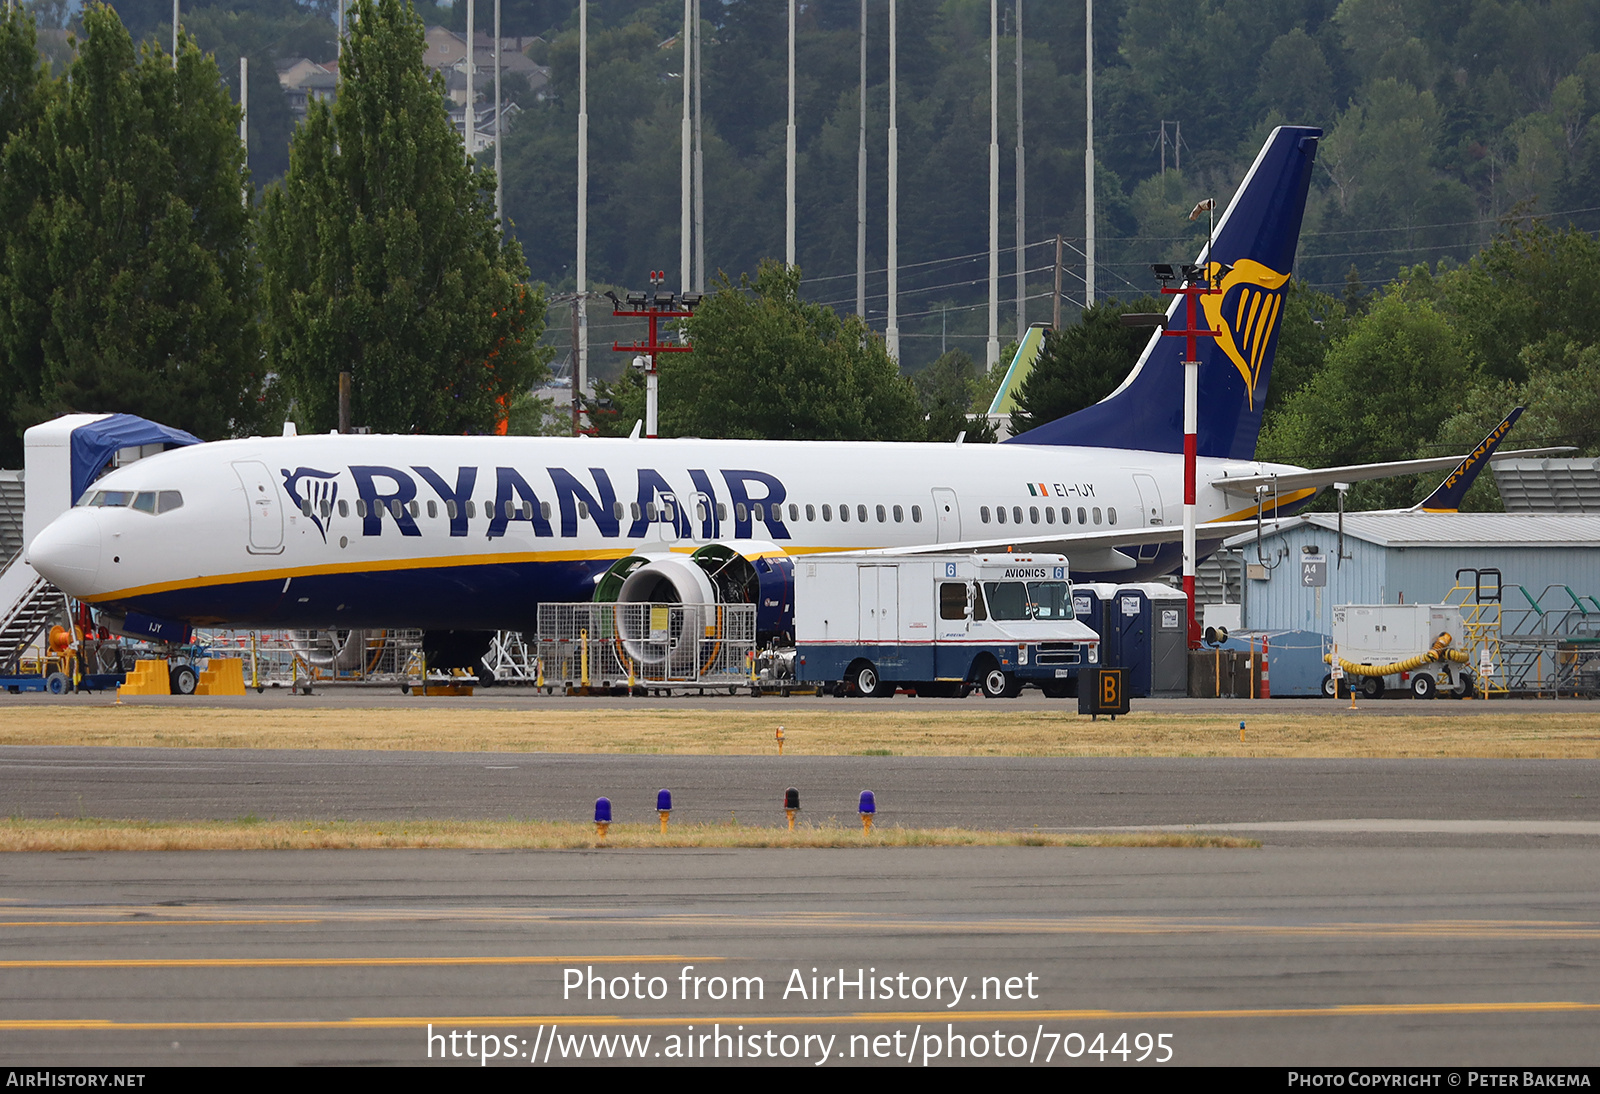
point(1327, 476)
point(1095, 550)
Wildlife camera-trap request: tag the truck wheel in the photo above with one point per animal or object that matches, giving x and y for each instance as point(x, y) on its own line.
point(1372, 687)
point(864, 676)
point(1330, 688)
point(56, 683)
point(183, 679)
point(1465, 689)
point(1423, 686)
point(998, 684)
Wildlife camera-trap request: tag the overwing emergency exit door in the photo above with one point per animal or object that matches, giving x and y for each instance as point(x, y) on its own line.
point(946, 514)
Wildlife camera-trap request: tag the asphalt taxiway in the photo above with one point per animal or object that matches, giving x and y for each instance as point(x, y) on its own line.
point(1423, 912)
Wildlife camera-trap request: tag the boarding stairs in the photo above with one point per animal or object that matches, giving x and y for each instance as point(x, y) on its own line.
point(28, 604)
point(11, 501)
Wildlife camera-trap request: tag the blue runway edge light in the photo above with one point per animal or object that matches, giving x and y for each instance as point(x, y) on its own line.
point(869, 803)
point(602, 810)
point(663, 801)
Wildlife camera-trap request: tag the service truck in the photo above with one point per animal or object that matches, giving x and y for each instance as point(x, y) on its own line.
point(939, 624)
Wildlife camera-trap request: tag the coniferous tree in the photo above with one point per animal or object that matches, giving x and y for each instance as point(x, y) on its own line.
point(125, 268)
point(381, 254)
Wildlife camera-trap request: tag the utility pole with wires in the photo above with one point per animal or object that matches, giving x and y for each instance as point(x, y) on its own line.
point(1055, 323)
point(1176, 142)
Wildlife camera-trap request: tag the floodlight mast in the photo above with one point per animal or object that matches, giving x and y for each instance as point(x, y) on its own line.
point(1196, 283)
point(659, 305)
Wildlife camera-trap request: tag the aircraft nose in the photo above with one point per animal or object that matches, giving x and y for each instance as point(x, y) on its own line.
point(67, 552)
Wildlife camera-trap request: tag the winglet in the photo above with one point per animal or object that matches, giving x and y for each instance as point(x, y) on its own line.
point(1447, 498)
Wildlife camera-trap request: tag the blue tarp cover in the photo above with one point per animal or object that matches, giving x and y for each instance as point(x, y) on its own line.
point(94, 445)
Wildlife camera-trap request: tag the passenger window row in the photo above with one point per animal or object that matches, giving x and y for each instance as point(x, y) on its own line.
point(650, 511)
point(1015, 514)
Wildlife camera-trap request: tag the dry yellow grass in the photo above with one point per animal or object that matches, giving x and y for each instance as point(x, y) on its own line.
point(250, 834)
point(812, 729)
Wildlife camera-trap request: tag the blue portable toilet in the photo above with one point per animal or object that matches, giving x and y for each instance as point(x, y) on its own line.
point(1128, 631)
point(1149, 620)
point(1089, 603)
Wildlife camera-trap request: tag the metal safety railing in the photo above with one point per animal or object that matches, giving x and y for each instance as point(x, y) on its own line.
point(604, 645)
point(1547, 645)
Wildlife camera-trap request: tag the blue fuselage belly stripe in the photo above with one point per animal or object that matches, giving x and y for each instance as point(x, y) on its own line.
point(487, 597)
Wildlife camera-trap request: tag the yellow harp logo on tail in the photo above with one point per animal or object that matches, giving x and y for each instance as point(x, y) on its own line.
point(1246, 312)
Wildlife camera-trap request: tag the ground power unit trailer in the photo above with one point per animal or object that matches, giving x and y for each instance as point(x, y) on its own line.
point(939, 625)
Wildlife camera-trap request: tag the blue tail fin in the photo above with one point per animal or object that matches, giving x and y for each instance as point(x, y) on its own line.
point(1257, 236)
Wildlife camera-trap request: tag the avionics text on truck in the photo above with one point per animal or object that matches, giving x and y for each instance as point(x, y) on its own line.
point(940, 625)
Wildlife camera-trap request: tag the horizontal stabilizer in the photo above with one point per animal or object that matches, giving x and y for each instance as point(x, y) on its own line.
point(1360, 472)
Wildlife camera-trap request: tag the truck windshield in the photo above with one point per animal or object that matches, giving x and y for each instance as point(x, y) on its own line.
point(1033, 600)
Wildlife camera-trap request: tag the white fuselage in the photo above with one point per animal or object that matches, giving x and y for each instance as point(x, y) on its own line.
point(473, 532)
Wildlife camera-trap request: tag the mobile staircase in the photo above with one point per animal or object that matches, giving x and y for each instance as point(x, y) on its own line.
point(28, 603)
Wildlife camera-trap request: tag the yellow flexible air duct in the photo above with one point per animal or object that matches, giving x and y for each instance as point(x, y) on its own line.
point(1441, 651)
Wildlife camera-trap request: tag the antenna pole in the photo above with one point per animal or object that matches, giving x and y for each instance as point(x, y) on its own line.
point(1088, 154)
point(468, 119)
point(891, 334)
point(581, 315)
point(861, 180)
point(1022, 206)
point(685, 254)
point(993, 354)
point(699, 166)
point(499, 187)
point(788, 217)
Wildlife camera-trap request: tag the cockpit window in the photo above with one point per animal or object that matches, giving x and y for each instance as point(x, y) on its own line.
point(145, 501)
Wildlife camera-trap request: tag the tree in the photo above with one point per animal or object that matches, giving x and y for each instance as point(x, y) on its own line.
point(1082, 364)
point(1386, 387)
point(947, 389)
point(381, 254)
point(125, 267)
point(767, 364)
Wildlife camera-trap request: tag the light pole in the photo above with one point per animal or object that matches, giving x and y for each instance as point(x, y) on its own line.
point(1196, 283)
point(659, 304)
